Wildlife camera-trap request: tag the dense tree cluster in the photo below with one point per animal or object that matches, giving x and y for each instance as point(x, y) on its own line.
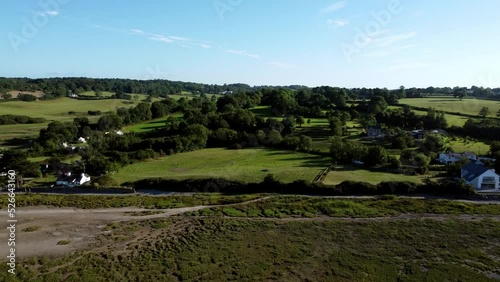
point(60, 87)
point(407, 119)
point(347, 152)
point(16, 119)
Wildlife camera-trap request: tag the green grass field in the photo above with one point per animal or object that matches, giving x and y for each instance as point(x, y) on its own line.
point(466, 106)
point(452, 119)
point(92, 93)
point(341, 174)
point(461, 145)
point(245, 165)
point(51, 110)
point(58, 109)
point(149, 125)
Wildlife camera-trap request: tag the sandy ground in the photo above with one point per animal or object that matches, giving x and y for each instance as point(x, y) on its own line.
point(79, 226)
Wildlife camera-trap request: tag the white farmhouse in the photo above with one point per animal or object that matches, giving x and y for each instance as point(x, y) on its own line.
point(451, 158)
point(68, 180)
point(480, 177)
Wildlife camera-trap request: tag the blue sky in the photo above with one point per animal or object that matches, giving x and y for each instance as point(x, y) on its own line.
point(351, 43)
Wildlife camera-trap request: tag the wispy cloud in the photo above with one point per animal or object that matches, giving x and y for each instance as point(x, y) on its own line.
point(179, 40)
point(334, 7)
point(337, 23)
point(242, 53)
point(280, 64)
point(137, 31)
point(51, 13)
point(390, 40)
point(161, 38)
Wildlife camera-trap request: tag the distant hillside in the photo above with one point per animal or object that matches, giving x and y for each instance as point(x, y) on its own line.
point(60, 87)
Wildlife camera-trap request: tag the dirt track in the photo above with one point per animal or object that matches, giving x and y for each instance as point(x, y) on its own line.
point(76, 225)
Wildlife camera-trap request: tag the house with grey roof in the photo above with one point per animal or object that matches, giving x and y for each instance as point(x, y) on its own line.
point(480, 177)
point(451, 158)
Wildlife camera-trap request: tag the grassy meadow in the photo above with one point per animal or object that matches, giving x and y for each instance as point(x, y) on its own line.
point(149, 125)
point(469, 106)
point(341, 174)
point(51, 110)
point(250, 165)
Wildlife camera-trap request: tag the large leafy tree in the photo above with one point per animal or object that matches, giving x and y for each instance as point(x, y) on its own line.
point(484, 112)
point(110, 122)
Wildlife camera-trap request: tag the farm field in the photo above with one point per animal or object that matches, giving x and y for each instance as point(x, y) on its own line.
point(58, 109)
point(341, 174)
point(451, 118)
point(462, 145)
point(250, 165)
point(466, 106)
point(149, 125)
point(51, 110)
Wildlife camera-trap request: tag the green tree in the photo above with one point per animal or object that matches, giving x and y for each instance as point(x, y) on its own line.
point(335, 126)
point(459, 92)
point(274, 137)
point(376, 155)
point(197, 136)
point(495, 148)
point(305, 143)
point(498, 113)
point(432, 143)
point(402, 92)
point(422, 161)
point(8, 96)
point(393, 163)
point(158, 109)
point(299, 120)
point(18, 161)
point(110, 122)
point(368, 120)
point(485, 111)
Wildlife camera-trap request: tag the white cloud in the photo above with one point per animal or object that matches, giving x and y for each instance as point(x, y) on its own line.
point(161, 38)
point(137, 31)
point(206, 46)
point(52, 13)
point(177, 38)
point(243, 53)
point(280, 64)
point(337, 23)
point(390, 40)
point(334, 7)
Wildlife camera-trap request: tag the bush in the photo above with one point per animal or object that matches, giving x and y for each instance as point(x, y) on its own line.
point(94, 113)
point(26, 97)
point(104, 181)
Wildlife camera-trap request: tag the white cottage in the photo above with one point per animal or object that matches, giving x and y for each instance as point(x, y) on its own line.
point(480, 177)
point(451, 158)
